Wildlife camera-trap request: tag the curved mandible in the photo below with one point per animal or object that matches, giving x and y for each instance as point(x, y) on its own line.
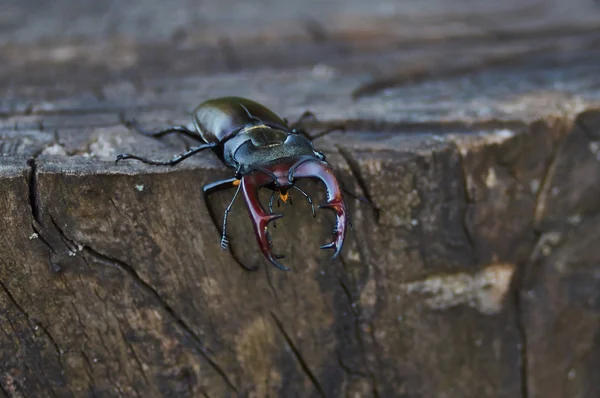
point(323, 171)
point(260, 218)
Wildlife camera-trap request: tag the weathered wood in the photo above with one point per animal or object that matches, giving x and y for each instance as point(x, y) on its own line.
point(476, 131)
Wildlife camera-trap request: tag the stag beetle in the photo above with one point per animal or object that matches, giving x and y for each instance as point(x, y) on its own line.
point(265, 152)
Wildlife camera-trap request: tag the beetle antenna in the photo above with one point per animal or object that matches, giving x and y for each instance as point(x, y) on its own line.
point(271, 207)
point(365, 200)
point(312, 206)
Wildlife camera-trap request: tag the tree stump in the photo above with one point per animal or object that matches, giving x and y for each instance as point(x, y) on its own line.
point(475, 130)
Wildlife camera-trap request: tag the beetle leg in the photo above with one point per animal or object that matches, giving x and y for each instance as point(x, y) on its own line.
point(224, 238)
point(183, 130)
point(260, 219)
point(329, 130)
point(219, 186)
point(302, 118)
point(296, 127)
point(171, 162)
point(335, 202)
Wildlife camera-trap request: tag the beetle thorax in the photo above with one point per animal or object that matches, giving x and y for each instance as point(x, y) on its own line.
point(261, 145)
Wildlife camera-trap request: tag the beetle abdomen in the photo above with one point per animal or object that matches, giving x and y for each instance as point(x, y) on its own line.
point(219, 119)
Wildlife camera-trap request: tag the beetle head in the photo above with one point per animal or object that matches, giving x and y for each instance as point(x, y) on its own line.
point(281, 175)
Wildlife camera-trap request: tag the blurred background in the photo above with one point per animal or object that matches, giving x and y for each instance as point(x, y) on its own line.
point(158, 53)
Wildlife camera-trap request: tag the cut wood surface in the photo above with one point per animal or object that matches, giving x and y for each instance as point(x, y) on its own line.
point(474, 127)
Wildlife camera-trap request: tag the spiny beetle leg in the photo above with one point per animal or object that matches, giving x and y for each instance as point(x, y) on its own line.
point(208, 190)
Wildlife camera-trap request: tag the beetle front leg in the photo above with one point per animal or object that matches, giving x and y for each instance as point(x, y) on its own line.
point(215, 187)
point(224, 237)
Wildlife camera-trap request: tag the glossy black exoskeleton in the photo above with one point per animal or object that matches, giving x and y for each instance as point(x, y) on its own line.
point(265, 152)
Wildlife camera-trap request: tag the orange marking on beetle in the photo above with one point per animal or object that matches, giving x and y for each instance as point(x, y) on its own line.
point(236, 183)
point(284, 197)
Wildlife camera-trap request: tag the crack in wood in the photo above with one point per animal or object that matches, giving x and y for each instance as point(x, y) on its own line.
point(199, 345)
point(271, 286)
point(32, 325)
point(151, 291)
point(134, 356)
point(88, 371)
point(357, 174)
point(523, 273)
point(298, 356)
point(356, 311)
point(546, 181)
point(469, 201)
point(33, 191)
point(347, 369)
point(419, 74)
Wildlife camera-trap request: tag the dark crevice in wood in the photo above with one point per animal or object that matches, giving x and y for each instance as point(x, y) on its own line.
point(54, 344)
point(356, 311)
point(299, 356)
point(439, 128)
point(134, 356)
point(33, 191)
point(347, 369)
point(270, 283)
point(469, 202)
point(37, 223)
point(88, 368)
point(519, 291)
point(523, 273)
point(419, 75)
point(546, 180)
point(357, 174)
point(40, 232)
point(72, 247)
point(151, 291)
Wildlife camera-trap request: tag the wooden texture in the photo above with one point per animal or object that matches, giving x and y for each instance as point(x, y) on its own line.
point(475, 127)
